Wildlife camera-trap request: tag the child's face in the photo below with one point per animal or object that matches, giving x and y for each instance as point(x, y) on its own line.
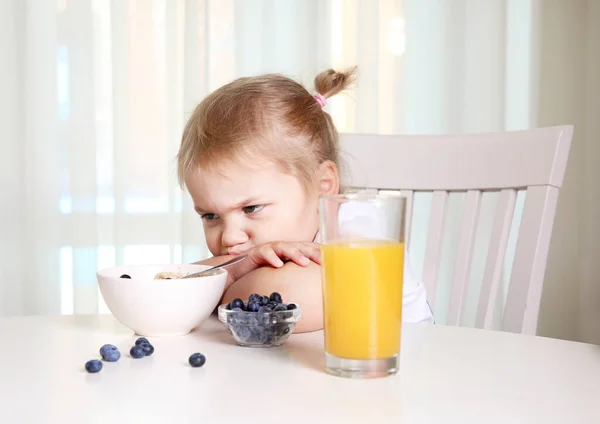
point(245, 206)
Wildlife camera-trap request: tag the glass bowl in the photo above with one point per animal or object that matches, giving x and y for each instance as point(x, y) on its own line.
point(260, 329)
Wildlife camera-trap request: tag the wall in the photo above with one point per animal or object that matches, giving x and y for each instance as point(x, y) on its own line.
point(569, 92)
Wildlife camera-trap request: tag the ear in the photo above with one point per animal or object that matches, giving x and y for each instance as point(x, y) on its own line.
point(329, 179)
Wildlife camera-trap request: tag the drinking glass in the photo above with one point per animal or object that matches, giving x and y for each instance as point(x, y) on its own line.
point(362, 246)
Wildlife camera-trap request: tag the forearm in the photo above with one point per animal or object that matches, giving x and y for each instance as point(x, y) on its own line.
point(296, 284)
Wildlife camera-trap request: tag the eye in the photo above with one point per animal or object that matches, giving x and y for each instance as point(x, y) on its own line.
point(252, 209)
point(209, 216)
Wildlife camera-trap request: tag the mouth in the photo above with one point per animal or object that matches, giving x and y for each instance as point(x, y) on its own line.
point(234, 252)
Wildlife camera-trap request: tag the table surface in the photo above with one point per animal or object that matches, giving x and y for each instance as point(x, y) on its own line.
point(447, 374)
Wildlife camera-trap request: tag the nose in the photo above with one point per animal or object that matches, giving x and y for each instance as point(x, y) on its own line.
point(233, 236)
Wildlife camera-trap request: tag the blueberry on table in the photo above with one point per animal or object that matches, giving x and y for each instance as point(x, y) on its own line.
point(106, 348)
point(141, 340)
point(110, 353)
point(275, 297)
point(125, 276)
point(148, 348)
point(253, 306)
point(93, 366)
point(237, 303)
point(197, 360)
point(137, 352)
point(291, 306)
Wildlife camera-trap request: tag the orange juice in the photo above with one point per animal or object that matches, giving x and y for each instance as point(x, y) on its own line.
point(362, 292)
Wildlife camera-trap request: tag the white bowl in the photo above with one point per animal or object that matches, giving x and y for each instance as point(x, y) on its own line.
point(160, 307)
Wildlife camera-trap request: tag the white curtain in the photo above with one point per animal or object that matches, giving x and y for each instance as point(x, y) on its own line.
point(94, 95)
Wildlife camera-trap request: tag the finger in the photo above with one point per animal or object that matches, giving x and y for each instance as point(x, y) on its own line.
point(293, 254)
point(271, 257)
point(314, 252)
point(311, 250)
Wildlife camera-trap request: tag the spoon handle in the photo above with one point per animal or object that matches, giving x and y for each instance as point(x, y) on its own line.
point(223, 265)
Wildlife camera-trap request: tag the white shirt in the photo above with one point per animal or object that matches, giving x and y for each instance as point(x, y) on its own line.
point(415, 307)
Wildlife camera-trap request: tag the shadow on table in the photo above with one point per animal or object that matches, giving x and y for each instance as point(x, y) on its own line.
point(214, 331)
point(302, 349)
point(309, 355)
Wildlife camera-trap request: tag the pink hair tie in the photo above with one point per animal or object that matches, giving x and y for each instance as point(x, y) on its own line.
point(321, 100)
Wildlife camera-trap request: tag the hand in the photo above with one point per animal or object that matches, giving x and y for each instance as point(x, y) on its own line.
point(275, 254)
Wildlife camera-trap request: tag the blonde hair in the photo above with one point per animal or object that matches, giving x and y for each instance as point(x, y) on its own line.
point(269, 115)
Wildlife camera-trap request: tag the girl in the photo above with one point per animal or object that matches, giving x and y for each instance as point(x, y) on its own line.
point(255, 155)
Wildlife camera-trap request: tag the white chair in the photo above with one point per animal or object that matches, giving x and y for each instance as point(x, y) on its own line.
point(504, 162)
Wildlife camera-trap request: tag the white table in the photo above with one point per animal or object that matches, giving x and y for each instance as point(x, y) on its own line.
point(448, 375)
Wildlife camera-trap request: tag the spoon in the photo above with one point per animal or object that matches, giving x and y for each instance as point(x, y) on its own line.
point(223, 265)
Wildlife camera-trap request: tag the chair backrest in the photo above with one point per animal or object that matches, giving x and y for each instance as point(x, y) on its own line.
point(504, 162)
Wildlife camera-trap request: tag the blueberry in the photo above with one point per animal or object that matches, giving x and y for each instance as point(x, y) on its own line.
point(243, 333)
point(255, 333)
point(237, 303)
point(270, 307)
point(266, 336)
point(291, 306)
point(137, 352)
point(141, 340)
point(254, 320)
point(125, 276)
point(148, 348)
point(197, 360)
point(278, 330)
point(112, 356)
point(93, 366)
point(110, 353)
point(106, 348)
point(282, 330)
point(254, 297)
point(263, 300)
point(253, 306)
point(275, 297)
point(280, 307)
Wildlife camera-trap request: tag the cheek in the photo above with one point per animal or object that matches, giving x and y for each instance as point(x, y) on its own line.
point(299, 219)
point(212, 235)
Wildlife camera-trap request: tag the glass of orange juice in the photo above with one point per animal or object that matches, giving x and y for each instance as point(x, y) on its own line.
point(362, 246)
